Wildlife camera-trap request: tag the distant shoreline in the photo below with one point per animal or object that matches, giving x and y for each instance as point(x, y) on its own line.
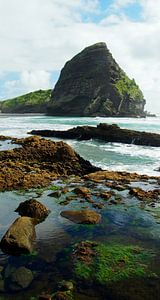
point(21, 115)
point(107, 117)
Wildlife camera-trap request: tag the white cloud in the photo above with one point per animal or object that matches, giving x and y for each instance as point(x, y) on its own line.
point(40, 35)
point(29, 81)
point(117, 4)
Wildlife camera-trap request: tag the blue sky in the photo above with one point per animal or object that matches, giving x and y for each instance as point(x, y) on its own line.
point(37, 38)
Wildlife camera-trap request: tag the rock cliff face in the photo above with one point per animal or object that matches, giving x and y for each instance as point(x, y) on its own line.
point(93, 84)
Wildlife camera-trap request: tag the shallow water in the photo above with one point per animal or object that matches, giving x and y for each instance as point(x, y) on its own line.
point(126, 223)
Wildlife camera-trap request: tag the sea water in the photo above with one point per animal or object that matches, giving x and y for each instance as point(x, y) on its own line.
point(111, 156)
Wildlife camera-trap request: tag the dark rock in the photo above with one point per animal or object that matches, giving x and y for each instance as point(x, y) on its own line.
point(82, 216)
point(19, 237)
point(82, 191)
point(20, 279)
point(45, 297)
point(55, 194)
point(106, 195)
point(92, 84)
point(105, 132)
point(2, 286)
point(63, 296)
point(33, 208)
point(66, 285)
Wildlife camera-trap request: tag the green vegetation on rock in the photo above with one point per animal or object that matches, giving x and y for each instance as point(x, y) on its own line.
point(132, 99)
point(34, 102)
point(114, 263)
point(128, 86)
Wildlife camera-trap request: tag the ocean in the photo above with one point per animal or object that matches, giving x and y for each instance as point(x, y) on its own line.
point(110, 156)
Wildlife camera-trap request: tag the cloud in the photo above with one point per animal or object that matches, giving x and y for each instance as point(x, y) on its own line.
point(37, 37)
point(28, 81)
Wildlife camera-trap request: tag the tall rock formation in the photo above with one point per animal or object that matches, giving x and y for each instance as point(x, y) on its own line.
point(93, 84)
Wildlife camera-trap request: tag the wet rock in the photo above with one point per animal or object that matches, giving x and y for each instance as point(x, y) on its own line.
point(106, 195)
point(19, 237)
point(65, 285)
point(98, 205)
point(82, 216)
point(38, 162)
point(105, 132)
point(45, 297)
point(82, 191)
point(2, 286)
point(84, 251)
point(67, 200)
point(56, 194)
point(20, 279)
point(9, 270)
point(145, 195)
point(34, 209)
point(63, 296)
point(110, 177)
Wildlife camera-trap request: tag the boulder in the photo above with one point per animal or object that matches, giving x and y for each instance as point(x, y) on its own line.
point(33, 208)
point(82, 216)
point(19, 237)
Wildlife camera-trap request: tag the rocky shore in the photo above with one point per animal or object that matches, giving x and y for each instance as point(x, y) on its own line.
point(37, 162)
point(87, 199)
point(104, 132)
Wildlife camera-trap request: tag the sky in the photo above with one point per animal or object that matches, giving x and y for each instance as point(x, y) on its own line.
point(37, 37)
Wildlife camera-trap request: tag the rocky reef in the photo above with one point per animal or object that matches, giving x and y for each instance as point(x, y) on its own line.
point(93, 84)
point(104, 132)
point(37, 162)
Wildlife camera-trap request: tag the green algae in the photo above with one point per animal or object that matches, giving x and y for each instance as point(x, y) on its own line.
point(114, 263)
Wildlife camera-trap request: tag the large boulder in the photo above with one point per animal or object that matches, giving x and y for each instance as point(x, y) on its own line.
point(34, 209)
point(19, 237)
point(82, 216)
point(93, 84)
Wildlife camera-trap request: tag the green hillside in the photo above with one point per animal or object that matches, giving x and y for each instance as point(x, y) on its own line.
point(34, 102)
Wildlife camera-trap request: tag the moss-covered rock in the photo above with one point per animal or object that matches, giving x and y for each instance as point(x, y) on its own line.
point(104, 264)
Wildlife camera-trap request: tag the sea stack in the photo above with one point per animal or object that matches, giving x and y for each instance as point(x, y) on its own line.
point(93, 84)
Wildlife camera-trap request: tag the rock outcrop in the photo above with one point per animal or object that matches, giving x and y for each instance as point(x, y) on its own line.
point(105, 132)
point(93, 84)
point(38, 162)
